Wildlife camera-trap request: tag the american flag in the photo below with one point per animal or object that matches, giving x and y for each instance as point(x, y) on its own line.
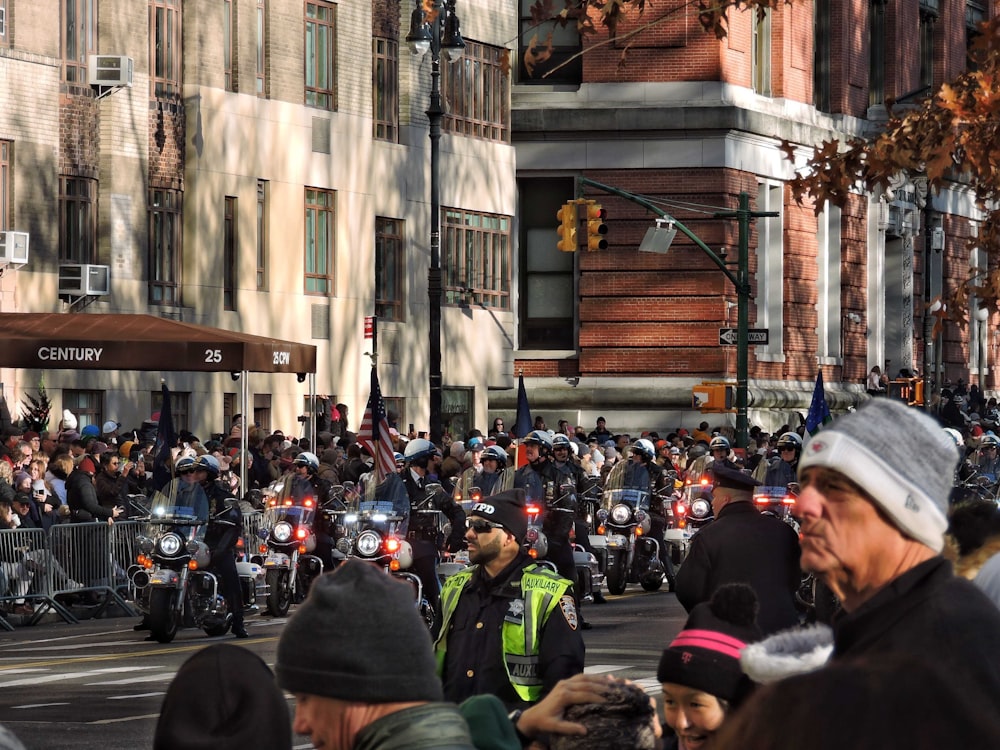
point(374, 433)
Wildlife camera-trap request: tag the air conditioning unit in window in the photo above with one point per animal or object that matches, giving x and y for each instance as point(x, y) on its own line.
point(13, 248)
point(83, 279)
point(109, 70)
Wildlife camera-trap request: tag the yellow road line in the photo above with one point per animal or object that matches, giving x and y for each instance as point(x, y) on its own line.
point(112, 657)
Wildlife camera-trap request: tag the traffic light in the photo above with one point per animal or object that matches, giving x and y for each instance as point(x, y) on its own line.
point(567, 228)
point(713, 397)
point(596, 228)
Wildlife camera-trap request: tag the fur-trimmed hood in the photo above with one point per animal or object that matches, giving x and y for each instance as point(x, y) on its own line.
point(967, 566)
point(787, 653)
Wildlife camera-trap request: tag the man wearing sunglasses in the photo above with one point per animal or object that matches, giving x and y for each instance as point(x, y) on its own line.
point(508, 627)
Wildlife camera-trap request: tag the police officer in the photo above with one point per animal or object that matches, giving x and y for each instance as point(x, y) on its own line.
point(507, 626)
point(494, 460)
point(645, 474)
point(541, 481)
point(224, 529)
point(422, 530)
point(784, 469)
point(307, 483)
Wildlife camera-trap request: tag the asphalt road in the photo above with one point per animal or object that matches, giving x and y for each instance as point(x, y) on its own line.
point(98, 685)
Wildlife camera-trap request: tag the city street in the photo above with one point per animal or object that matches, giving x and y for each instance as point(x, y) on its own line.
point(99, 685)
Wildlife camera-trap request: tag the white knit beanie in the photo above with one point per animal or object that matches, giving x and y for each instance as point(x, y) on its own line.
point(899, 456)
point(69, 420)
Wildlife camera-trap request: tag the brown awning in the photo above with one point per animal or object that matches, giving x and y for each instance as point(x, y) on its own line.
point(78, 341)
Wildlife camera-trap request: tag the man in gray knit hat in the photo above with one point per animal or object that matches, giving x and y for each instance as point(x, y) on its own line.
point(873, 506)
point(357, 657)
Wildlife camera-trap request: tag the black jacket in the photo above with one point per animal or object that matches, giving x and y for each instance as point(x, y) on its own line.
point(929, 613)
point(81, 497)
point(743, 546)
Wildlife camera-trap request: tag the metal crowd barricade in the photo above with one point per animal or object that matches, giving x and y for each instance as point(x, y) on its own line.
point(124, 552)
point(28, 567)
point(85, 555)
point(251, 526)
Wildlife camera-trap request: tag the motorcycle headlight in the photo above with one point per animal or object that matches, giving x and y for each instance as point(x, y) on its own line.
point(602, 515)
point(368, 543)
point(170, 544)
point(193, 546)
point(282, 531)
point(344, 545)
point(621, 514)
point(144, 544)
point(701, 508)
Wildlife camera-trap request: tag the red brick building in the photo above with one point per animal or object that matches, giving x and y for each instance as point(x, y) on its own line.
point(689, 121)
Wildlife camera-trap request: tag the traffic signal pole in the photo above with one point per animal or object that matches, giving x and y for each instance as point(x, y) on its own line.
point(740, 280)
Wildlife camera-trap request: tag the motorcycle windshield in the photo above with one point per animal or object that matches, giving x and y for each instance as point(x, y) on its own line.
point(169, 509)
point(293, 514)
point(617, 490)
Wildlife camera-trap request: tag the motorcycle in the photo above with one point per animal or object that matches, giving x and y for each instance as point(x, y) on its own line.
point(173, 587)
point(778, 501)
point(287, 543)
point(624, 519)
point(376, 533)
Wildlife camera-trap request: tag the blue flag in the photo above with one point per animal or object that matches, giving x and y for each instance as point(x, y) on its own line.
point(166, 439)
point(819, 412)
point(523, 423)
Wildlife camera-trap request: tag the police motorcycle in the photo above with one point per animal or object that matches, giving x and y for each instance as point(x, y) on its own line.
point(624, 519)
point(287, 543)
point(172, 584)
point(375, 525)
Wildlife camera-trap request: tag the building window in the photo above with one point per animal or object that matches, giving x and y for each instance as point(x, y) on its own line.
point(543, 49)
point(975, 14)
point(457, 411)
point(395, 413)
point(385, 88)
point(876, 52)
point(262, 48)
point(925, 41)
point(165, 247)
point(230, 57)
point(978, 316)
point(770, 271)
point(88, 406)
point(478, 94)
point(230, 247)
point(547, 303)
point(388, 269)
point(262, 228)
point(319, 241)
point(761, 70)
point(165, 47)
point(822, 34)
point(321, 51)
point(228, 408)
point(262, 411)
point(828, 317)
point(79, 38)
point(6, 149)
point(77, 220)
point(180, 408)
point(475, 258)
point(3, 21)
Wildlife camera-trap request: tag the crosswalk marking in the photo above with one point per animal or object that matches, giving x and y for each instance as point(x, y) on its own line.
point(134, 695)
point(603, 668)
point(46, 678)
point(134, 680)
point(40, 705)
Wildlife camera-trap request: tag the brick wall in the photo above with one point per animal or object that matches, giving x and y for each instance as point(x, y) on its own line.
point(79, 150)
point(166, 144)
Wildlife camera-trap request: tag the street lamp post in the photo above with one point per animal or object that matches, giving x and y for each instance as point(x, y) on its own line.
point(434, 28)
point(740, 280)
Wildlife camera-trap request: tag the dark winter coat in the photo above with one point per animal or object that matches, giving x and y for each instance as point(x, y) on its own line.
point(744, 546)
point(929, 613)
point(81, 497)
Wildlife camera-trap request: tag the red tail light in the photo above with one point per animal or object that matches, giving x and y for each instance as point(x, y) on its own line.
point(288, 503)
point(308, 503)
point(788, 500)
point(391, 545)
point(680, 509)
point(762, 500)
point(301, 533)
point(704, 480)
point(533, 510)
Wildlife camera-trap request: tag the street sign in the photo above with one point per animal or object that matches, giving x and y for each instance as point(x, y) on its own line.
point(755, 336)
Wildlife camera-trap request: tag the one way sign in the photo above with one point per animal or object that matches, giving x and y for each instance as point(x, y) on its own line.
point(755, 336)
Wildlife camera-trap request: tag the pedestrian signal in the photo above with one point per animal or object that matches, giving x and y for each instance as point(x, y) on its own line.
point(596, 228)
point(567, 216)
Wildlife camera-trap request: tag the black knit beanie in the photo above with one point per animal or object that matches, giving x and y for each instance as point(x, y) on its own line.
point(705, 655)
point(358, 637)
point(223, 698)
point(506, 508)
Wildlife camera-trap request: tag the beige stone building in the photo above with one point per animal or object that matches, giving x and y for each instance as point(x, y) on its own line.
point(266, 171)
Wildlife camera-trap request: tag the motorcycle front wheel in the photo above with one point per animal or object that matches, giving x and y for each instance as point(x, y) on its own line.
point(279, 593)
point(164, 619)
point(616, 575)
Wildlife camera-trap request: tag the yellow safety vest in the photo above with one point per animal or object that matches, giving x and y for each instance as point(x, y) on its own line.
point(541, 590)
